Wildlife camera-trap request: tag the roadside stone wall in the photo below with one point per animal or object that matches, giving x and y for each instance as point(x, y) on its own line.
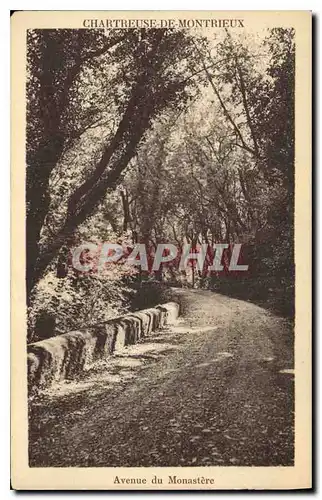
point(66, 356)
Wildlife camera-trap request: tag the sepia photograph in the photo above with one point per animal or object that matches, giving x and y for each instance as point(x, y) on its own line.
point(159, 218)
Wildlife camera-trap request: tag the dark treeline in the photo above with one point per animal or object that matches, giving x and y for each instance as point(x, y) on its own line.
point(157, 136)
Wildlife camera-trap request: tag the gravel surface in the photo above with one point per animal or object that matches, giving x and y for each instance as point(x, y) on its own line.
point(216, 389)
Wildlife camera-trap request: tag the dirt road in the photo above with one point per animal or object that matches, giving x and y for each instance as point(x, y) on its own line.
point(217, 389)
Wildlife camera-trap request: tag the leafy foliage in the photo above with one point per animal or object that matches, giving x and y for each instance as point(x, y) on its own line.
point(157, 136)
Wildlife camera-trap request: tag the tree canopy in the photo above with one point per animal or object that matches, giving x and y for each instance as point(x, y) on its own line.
point(157, 135)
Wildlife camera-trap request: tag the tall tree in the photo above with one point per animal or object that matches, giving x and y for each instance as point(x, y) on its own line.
point(151, 75)
point(55, 59)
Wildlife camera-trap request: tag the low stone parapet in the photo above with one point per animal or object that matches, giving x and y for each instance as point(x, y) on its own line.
point(66, 356)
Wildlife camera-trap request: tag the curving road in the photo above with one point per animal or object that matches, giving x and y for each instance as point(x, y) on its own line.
point(216, 389)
